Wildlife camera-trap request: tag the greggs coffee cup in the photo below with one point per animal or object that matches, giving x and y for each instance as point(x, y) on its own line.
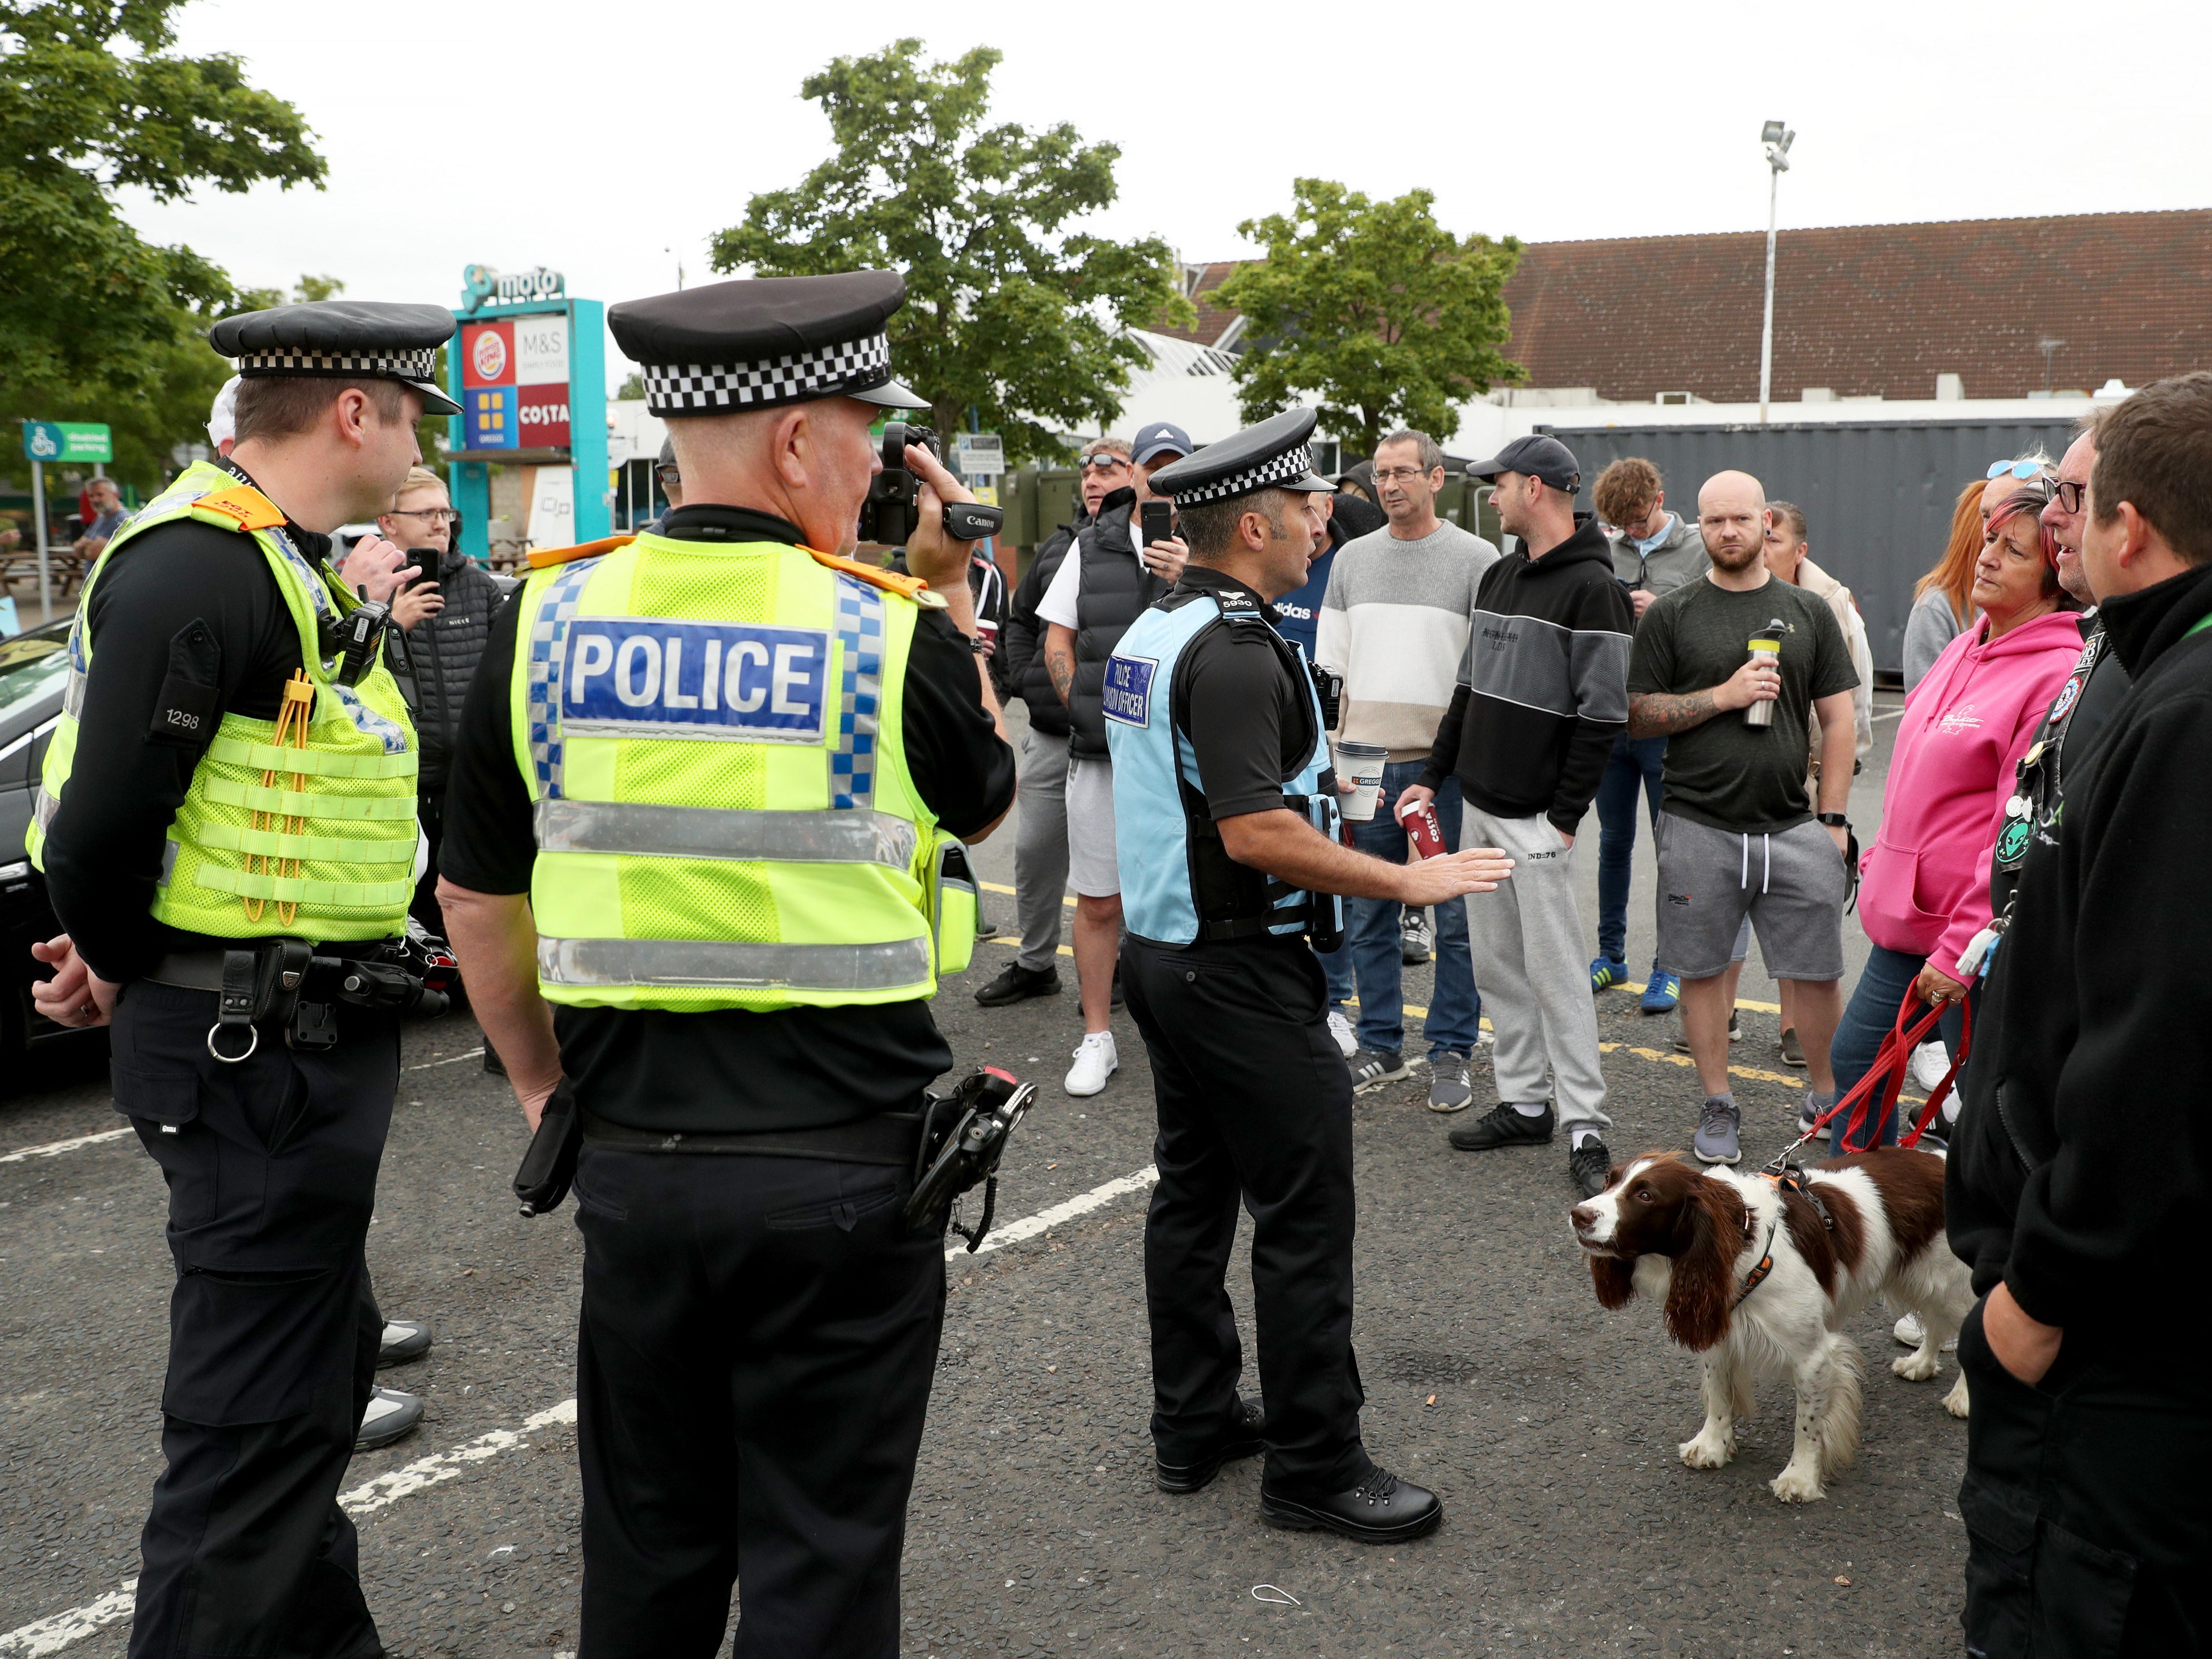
point(1360, 764)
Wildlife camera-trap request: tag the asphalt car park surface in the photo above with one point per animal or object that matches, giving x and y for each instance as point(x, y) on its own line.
point(1548, 1425)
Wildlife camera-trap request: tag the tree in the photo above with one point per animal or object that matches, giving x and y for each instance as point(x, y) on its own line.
point(1000, 317)
point(93, 319)
point(1374, 309)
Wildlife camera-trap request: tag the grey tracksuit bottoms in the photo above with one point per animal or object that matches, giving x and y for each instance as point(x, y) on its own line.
point(1041, 848)
point(1532, 965)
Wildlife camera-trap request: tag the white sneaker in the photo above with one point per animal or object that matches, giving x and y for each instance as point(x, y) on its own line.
point(1909, 1330)
point(1930, 1062)
point(1340, 1028)
point(1096, 1061)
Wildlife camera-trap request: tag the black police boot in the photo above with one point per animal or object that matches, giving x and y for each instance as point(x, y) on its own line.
point(1016, 983)
point(1247, 1439)
point(1380, 1509)
point(1502, 1125)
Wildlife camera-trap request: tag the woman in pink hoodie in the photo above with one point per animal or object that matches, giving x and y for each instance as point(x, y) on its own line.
point(1925, 891)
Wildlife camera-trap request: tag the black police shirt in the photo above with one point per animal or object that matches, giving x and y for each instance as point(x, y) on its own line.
point(185, 623)
point(733, 1070)
point(1249, 718)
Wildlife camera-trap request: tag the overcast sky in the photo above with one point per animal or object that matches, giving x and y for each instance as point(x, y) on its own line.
point(611, 142)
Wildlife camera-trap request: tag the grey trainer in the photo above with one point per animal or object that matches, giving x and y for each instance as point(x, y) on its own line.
point(1371, 1068)
point(1449, 1089)
point(1715, 1141)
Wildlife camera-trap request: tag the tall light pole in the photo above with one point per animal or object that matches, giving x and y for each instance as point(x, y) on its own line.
point(1778, 138)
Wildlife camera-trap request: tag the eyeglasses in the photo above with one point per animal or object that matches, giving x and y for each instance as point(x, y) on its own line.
point(2069, 495)
point(1103, 461)
point(435, 514)
point(1397, 474)
point(2018, 469)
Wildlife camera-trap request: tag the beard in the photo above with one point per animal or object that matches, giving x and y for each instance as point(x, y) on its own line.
point(1736, 560)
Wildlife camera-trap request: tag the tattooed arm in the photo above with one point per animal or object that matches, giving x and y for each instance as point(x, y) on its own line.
point(1663, 714)
point(1059, 657)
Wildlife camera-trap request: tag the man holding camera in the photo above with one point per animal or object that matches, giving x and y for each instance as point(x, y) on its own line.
point(701, 807)
point(1125, 558)
point(222, 813)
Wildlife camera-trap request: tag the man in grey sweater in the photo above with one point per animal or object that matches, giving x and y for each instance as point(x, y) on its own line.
point(1395, 623)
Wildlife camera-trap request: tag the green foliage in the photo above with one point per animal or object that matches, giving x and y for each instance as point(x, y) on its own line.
point(1374, 309)
point(1007, 313)
point(94, 322)
point(632, 390)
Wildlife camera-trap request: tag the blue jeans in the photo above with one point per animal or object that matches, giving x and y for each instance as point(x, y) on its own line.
point(1633, 761)
point(1868, 1019)
point(1371, 932)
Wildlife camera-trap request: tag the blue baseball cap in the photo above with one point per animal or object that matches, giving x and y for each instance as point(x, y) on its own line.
point(1159, 438)
point(1537, 455)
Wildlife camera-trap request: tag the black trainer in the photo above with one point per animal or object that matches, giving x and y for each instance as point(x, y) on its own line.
point(1247, 1439)
point(1016, 983)
point(1588, 1165)
point(1380, 1509)
point(1502, 1125)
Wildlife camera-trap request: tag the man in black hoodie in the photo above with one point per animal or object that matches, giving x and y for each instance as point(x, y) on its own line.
point(2081, 1169)
point(1541, 697)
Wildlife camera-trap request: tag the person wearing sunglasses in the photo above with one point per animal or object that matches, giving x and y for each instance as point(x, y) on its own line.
point(1942, 600)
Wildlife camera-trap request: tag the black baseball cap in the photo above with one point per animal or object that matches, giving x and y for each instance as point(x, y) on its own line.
point(1539, 457)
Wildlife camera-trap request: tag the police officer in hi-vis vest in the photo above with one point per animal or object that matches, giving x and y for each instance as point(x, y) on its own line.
point(1225, 813)
point(697, 843)
point(226, 826)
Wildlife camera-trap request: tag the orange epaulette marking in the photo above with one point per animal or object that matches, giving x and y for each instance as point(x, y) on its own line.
point(907, 587)
point(251, 508)
point(544, 558)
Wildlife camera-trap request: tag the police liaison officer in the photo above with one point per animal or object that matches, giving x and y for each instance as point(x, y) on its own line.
point(213, 788)
point(737, 998)
point(1225, 813)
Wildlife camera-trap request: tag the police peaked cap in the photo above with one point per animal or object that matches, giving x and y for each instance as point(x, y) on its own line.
point(1272, 455)
point(764, 342)
point(355, 339)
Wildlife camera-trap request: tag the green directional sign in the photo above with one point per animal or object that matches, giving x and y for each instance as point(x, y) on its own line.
point(61, 441)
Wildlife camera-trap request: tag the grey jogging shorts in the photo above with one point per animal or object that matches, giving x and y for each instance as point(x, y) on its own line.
point(1792, 886)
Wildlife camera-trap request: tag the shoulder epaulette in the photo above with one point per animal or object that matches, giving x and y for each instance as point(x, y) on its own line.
point(544, 558)
point(242, 505)
point(907, 587)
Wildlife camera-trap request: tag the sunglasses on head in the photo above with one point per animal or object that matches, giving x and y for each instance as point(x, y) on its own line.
point(2018, 469)
point(1104, 461)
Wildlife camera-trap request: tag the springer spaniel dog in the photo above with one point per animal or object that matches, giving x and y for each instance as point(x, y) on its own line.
point(1755, 1281)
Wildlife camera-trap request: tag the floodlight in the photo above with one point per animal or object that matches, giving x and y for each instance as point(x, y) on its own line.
point(1773, 133)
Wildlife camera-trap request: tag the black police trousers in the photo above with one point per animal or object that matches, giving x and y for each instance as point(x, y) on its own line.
point(2087, 1502)
point(1254, 1101)
point(272, 1169)
point(759, 1339)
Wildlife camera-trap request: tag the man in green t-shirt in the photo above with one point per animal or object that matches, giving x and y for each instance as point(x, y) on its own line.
point(1736, 833)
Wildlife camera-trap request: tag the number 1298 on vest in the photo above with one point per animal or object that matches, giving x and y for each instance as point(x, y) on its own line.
point(736, 682)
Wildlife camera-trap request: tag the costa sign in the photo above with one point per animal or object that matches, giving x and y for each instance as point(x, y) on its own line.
point(482, 285)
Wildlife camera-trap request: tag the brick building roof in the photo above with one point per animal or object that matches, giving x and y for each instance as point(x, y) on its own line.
point(1860, 309)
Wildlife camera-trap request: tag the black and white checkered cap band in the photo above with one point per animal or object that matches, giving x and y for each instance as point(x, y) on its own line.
point(695, 388)
point(1275, 470)
point(389, 366)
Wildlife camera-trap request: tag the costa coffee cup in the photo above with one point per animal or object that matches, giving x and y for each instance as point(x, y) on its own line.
point(1422, 828)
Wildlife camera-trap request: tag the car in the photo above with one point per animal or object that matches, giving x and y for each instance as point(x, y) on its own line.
point(34, 674)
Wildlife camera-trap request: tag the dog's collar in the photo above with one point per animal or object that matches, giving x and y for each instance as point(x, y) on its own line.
point(1758, 1275)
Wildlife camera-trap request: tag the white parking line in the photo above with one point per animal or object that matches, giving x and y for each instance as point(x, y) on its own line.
point(56, 1148)
point(52, 1634)
point(468, 1054)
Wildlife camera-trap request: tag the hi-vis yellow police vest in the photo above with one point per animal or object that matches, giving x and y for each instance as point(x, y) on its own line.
point(711, 733)
point(303, 826)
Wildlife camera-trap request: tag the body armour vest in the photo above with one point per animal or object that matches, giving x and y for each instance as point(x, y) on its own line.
point(712, 736)
point(1179, 885)
point(1113, 591)
point(302, 827)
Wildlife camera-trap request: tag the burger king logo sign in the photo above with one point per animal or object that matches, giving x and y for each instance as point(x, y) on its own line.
point(489, 356)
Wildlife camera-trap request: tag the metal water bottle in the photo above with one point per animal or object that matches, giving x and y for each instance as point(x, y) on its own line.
point(1765, 652)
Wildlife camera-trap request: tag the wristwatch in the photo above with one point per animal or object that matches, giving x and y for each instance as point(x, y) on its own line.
point(1833, 820)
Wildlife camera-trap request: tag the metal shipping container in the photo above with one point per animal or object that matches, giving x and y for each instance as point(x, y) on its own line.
point(1877, 495)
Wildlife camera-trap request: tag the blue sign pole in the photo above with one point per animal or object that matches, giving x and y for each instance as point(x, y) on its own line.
point(469, 486)
point(587, 418)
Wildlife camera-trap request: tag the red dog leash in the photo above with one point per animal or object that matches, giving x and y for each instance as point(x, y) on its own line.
point(1891, 1062)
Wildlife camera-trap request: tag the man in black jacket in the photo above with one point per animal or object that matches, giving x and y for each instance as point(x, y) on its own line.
point(1541, 697)
point(2081, 1170)
point(1041, 843)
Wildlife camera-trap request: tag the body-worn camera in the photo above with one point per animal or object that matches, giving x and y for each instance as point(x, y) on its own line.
point(892, 512)
point(964, 1135)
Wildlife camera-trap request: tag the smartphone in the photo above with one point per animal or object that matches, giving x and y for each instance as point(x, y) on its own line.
point(1154, 521)
point(425, 561)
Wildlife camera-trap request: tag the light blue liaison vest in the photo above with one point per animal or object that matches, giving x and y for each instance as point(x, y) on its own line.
point(1179, 885)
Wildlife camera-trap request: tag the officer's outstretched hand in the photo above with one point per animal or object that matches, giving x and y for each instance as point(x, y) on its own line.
point(75, 996)
point(939, 559)
point(1471, 870)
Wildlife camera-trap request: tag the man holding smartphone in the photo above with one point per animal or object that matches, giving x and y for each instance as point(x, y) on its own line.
point(1098, 590)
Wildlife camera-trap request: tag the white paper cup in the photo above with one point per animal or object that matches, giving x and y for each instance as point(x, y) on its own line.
point(1361, 765)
